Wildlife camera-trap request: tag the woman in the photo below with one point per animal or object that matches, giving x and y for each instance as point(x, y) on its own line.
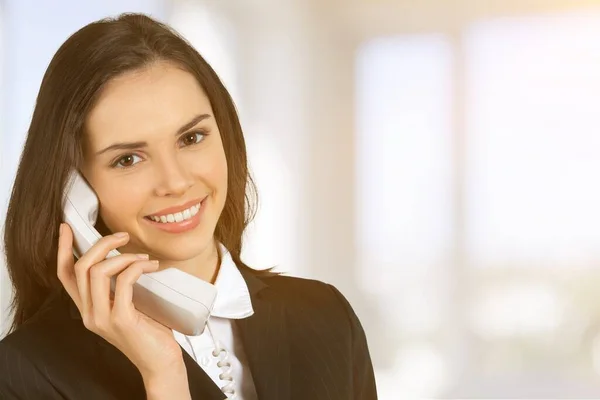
point(146, 121)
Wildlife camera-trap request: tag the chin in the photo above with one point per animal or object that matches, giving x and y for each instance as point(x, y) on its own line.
point(182, 247)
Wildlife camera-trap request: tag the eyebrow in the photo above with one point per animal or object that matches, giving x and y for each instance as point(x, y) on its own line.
point(136, 145)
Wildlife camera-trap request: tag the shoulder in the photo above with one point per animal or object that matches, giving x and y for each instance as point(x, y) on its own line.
point(315, 298)
point(302, 291)
point(323, 326)
point(48, 335)
point(33, 353)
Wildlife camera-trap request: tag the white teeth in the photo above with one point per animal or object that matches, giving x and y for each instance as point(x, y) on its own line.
point(177, 217)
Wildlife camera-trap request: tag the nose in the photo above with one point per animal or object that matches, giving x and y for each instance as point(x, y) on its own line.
point(174, 179)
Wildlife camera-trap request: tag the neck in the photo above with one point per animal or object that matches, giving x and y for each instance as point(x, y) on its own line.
point(204, 266)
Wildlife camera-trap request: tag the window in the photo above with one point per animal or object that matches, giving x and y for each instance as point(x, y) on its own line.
point(404, 194)
point(533, 92)
point(528, 319)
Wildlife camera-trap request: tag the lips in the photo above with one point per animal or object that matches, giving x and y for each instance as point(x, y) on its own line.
point(177, 209)
point(184, 215)
point(184, 220)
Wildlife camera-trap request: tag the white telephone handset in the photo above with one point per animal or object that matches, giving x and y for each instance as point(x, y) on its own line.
point(172, 297)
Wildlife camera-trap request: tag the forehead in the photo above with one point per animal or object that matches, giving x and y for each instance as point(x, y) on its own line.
point(154, 100)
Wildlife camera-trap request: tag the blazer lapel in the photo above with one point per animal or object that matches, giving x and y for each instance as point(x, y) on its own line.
point(265, 341)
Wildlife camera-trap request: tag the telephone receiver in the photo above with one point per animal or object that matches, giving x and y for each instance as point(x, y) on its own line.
point(172, 297)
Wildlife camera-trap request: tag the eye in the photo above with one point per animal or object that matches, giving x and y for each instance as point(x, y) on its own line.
point(126, 161)
point(191, 138)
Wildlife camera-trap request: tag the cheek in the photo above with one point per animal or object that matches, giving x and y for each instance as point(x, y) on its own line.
point(212, 170)
point(119, 206)
point(219, 174)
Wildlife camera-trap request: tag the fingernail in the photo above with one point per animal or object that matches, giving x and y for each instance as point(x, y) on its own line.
point(121, 234)
point(143, 256)
point(154, 262)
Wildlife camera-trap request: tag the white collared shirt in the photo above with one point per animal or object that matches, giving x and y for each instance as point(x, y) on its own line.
point(232, 302)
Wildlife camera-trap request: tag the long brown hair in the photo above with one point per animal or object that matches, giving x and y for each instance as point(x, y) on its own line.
point(73, 81)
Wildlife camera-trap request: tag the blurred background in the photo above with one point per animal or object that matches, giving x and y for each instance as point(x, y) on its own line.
point(436, 160)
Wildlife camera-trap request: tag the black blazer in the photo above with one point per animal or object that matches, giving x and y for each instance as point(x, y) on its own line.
point(303, 342)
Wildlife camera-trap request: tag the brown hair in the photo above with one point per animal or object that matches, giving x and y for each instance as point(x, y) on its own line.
point(78, 71)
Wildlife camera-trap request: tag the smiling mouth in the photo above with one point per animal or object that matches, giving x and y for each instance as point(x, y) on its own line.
point(180, 216)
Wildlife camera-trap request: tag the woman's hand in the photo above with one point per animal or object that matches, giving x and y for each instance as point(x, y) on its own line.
point(149, 345)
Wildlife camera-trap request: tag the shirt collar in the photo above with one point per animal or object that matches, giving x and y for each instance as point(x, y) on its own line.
point(233, 298)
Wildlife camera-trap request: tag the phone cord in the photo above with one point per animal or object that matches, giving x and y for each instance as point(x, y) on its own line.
point(223, 363)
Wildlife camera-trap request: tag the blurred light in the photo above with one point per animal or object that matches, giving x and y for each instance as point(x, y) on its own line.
point(518, 310)
point(265, 242)
point(403, 150)
point(533, 123)
point(212, 36)
point(420, 372)
point(596, 353)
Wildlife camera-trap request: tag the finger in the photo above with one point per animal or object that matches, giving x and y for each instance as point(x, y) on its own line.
point(65, 263)
point(94, 255)
point(123, 301)
point(99, 251)
point(100, 276)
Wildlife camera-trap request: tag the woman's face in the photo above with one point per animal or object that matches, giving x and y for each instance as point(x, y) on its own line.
point(154, 156)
